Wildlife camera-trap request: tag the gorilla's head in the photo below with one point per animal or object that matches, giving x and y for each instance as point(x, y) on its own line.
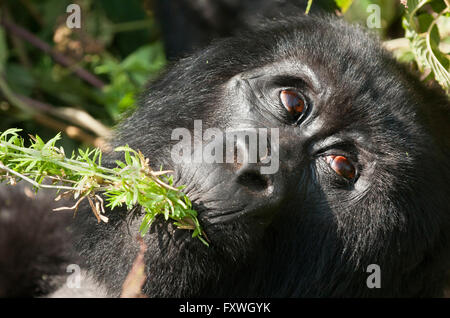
point(362, 172)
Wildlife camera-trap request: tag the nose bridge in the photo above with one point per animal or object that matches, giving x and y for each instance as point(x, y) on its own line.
point(241, 147)
point(252, 148)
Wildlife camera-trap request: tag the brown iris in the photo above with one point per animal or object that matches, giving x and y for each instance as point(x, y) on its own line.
point(293, 102)
point(342, 166)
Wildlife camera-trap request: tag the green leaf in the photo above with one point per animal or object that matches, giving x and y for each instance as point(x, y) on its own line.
point(343, 4)
point(424, 21)
point(437, 5)
point(424, 44)
point(128, 158)
point(120, 164)
point(125, 148)
point(308, 7)
point(10, 131)
point(166, 212)
point(146, 223)
point(51, 142)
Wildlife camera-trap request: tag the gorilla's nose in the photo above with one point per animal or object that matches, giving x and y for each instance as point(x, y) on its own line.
point(247, 167)
point(252, 179)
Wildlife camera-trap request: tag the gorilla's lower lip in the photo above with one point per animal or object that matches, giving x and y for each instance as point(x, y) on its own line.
point(213, 216)
point(228, 216)
point(221, 216)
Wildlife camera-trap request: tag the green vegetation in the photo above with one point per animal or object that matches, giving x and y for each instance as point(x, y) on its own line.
point(53, 77)
point(425, 43)
point(423, 30)
point(82, 176)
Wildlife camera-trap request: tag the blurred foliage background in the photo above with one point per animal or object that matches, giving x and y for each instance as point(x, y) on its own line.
point(119, 46)
point(82, 81)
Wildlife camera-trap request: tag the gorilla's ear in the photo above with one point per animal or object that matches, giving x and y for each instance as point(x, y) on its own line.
point(35, 244)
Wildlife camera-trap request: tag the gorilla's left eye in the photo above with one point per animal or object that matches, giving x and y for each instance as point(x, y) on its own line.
point(293, 102)
point(342, 166)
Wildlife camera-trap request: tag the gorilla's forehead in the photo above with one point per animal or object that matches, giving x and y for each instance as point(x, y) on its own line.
point(328, 42)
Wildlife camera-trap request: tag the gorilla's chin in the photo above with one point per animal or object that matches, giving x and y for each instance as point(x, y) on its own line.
point(223, 230)
point(195, 268)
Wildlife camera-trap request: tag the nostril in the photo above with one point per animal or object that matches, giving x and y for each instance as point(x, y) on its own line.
point(253, 180)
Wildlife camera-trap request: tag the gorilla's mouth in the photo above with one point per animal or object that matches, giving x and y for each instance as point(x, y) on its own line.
point(226, 216)
point(211, 216)
point(213, 222)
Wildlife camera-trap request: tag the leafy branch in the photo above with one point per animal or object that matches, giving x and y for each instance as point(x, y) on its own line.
point(82, 176)
point(424, 45)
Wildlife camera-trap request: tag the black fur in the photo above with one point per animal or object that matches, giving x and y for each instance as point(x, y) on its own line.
point(35, 243)
point(313, 234)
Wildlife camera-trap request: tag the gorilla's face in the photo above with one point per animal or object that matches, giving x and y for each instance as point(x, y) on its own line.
point(361, 175)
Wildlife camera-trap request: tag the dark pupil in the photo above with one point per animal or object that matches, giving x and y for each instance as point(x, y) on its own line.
point(292, 102)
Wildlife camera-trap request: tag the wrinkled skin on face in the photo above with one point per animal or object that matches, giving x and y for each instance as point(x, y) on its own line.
point(363, 173)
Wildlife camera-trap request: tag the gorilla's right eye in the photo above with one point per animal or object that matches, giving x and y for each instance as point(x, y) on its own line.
point(293, 102)
point(342, 166)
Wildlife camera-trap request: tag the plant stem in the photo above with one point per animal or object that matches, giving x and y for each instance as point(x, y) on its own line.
point(34, 183)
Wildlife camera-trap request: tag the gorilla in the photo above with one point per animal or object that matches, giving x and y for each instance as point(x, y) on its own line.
point(363, 176)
